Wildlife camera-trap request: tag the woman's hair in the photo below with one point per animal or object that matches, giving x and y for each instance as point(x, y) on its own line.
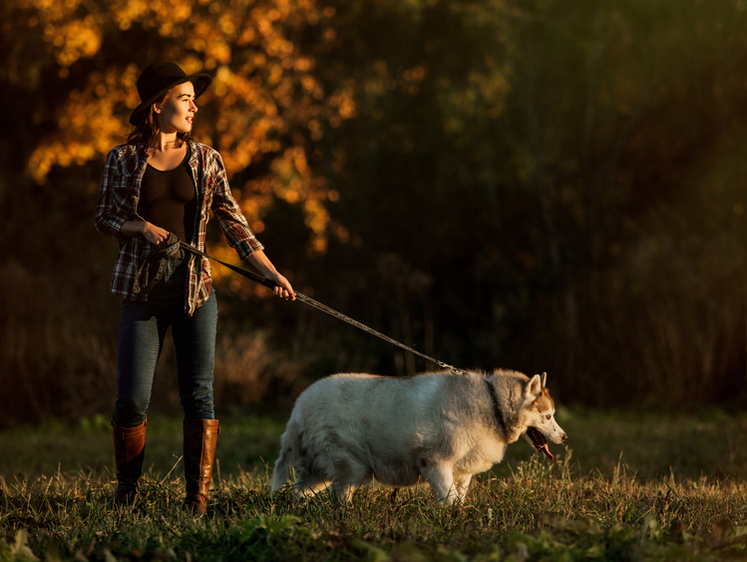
point(146, 131)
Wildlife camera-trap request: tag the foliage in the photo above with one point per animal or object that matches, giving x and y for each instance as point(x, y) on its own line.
point(266, 101)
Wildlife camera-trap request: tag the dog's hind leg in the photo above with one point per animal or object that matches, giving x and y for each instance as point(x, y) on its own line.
point(281, 472)
point(290, 443)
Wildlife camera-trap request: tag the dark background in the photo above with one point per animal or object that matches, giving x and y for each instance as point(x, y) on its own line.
point(531, 184)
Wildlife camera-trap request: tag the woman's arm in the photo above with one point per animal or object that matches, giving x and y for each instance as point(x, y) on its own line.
point(282, 287)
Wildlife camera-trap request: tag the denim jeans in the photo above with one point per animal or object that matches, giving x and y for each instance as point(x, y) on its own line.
point(142, 331)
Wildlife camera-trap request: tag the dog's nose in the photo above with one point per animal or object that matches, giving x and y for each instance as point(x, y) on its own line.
point(565, 436)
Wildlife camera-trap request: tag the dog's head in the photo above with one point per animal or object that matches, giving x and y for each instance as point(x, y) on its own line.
point(539, 416)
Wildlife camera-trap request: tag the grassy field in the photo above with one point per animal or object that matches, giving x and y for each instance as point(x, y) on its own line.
point(628, 486)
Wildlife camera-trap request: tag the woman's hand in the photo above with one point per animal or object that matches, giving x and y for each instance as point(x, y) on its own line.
point(152, 233)
point(283, 287)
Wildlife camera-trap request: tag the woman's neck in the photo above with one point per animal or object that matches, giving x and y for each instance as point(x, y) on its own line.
point(167, 153)
point(166, 142)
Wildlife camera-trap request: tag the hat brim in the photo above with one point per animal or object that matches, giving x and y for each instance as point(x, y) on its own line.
point(200, 81)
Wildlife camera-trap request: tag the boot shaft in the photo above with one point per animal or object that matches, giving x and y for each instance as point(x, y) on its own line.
point(129, 448)
point(129, 454)
point(200, 439)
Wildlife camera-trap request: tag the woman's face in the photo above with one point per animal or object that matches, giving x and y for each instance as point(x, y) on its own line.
point(176, 113)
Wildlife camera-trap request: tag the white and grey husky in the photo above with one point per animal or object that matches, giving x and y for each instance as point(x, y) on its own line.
point(441, 427)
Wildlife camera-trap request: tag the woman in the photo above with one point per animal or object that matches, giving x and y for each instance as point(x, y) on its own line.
point(158, 189)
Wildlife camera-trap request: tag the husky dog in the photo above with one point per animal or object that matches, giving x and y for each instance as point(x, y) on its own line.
point(441, 427)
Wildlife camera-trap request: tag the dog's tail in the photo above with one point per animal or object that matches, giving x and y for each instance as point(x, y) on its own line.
point(288, 447)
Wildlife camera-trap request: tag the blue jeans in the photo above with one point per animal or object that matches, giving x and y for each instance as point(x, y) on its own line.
point(142, 331)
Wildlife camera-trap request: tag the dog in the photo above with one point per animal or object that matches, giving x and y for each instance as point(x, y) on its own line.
point(441, 427)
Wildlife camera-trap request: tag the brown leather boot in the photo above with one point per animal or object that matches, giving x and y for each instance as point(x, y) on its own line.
point(129, 453)
point(200, 438)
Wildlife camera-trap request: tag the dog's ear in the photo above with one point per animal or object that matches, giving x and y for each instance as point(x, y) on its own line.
point(544, 380)
point(534, 387)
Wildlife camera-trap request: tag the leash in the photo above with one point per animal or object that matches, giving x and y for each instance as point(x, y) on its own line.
point(319, 306)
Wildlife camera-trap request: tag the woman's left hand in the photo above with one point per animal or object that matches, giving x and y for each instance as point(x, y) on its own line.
point(263, 264)
point(283, 287)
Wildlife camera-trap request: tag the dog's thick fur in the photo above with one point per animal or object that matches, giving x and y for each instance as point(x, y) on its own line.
point(441, 427)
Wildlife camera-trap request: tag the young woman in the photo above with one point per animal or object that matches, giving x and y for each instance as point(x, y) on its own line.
point(158, 189)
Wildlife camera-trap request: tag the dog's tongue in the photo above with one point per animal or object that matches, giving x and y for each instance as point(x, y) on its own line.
point(545, 449)
point(539, 442)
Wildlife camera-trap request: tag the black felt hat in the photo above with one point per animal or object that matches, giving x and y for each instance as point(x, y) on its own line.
point(158, 79)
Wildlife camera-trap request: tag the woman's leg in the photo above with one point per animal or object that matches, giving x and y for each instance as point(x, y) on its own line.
point(140, 339)
point(141, 333)
point(194, 339)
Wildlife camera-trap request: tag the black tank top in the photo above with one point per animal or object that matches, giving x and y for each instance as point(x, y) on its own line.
point(167, 199)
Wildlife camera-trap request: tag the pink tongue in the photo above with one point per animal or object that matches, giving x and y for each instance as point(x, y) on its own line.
point(545, 449)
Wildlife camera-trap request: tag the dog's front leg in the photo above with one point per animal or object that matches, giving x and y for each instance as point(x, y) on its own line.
point(348, 476)
point(440, 477)
point(461, 484)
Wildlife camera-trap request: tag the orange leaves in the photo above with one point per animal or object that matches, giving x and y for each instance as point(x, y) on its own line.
point(125, 12)
point(292, 180)
point(88, 124)
point(74, 40)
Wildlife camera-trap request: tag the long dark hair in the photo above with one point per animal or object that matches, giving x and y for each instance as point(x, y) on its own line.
point(146, 132)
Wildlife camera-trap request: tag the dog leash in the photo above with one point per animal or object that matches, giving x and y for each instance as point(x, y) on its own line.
point(323, 307)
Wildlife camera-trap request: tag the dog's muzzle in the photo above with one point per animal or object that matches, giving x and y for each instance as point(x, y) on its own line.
point(539, 443)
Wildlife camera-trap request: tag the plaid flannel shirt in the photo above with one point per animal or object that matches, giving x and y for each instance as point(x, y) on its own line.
point(118, 197)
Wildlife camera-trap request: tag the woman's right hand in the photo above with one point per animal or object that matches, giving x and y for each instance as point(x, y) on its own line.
point(152, 233)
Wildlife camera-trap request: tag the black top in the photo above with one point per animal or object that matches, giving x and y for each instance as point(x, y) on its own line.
point(168, 200)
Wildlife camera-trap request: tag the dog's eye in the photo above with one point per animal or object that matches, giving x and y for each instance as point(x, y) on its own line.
point(548, 416)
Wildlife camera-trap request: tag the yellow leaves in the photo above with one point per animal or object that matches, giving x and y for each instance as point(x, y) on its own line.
point(167, 16)
point(50, 10)
point(221, 274)
point(127, 11)
point(293, 174)
point(88, 124)
point(296, 183)
point(292, 180)
point(75, 40)
point(345, 105)
point(207, 38)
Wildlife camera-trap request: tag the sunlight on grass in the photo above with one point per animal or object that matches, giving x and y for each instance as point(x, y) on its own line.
point(629, 488)
point(539, 512)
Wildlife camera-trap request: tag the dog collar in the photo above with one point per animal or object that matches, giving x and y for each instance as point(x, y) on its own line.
point(496, 408)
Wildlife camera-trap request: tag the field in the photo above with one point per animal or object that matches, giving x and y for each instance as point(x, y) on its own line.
point(628, 486)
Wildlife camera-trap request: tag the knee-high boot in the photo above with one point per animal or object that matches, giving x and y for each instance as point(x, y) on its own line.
point(129, 453)
point(200, 438)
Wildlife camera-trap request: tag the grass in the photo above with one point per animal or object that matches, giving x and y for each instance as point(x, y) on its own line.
point(630, 488)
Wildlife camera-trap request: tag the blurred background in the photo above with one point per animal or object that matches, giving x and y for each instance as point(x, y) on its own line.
point(530, 184)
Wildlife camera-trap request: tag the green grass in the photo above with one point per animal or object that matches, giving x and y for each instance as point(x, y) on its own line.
point(625, 488)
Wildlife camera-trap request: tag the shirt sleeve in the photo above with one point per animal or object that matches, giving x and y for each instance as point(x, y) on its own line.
point(227, 212)
point(107, 220)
